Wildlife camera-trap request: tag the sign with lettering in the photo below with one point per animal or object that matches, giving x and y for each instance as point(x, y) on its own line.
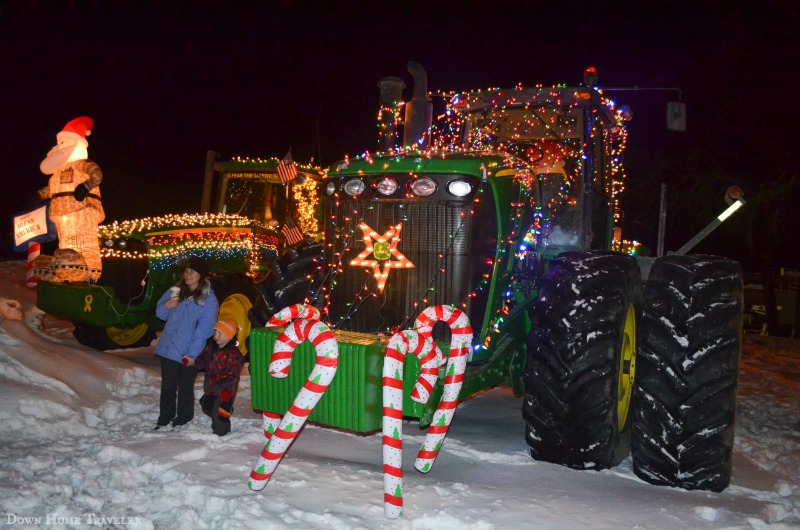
point(33, 227)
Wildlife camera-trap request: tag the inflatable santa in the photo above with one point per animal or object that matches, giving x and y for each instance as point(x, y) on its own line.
point(75, 207)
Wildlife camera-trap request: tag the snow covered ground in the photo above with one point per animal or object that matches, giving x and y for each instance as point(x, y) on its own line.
point(77, 450)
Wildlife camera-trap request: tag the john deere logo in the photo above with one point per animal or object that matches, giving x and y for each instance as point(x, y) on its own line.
point(382, 250)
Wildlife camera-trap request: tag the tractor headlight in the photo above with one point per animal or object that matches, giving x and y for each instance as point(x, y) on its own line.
point(354, 187)
point(386, 186)
point(423, 187)
point(459, 188)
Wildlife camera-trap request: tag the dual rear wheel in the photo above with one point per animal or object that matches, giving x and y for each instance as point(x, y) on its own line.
point(613, 370)
point(581, 360)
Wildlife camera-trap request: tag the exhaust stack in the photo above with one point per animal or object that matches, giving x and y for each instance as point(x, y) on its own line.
point(419, 111)
point(391, 94)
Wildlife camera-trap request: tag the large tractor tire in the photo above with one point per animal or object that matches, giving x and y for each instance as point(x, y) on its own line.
point(115, 338)
point(685, 392)
point(582, 359)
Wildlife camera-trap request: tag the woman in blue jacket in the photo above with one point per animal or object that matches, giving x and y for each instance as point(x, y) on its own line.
point(190, 318)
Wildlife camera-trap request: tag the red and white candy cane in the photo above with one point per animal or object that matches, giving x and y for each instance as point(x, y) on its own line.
point(430, 357)
point(460, 340)
point(415, 342)
point(33, 252)
point(327, 350)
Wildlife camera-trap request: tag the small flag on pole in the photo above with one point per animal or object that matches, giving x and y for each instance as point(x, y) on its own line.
point(287, 170)
point(292, 233)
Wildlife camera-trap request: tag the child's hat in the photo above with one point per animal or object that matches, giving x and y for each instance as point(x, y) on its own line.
point(228, 327)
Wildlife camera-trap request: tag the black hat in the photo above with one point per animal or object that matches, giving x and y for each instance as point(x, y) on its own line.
point(198, 265)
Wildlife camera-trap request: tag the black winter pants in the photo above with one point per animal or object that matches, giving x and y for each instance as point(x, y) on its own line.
point(177, 380)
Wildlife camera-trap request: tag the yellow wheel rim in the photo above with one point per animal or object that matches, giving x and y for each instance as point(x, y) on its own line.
point(627, 368)
point(236, 307)
point(127, 336)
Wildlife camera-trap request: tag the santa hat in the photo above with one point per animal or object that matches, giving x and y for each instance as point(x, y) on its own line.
point(78, 129)
point(227, 327)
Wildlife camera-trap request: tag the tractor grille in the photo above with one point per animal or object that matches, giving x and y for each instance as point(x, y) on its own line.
point(451, 245)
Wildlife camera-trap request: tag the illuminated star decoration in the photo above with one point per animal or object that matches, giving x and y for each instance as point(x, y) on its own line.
point(383, 248)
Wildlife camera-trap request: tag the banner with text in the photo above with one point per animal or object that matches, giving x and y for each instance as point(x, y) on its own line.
point(33, 227)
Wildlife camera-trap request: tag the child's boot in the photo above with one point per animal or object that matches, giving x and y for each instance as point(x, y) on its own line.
point(221, 417)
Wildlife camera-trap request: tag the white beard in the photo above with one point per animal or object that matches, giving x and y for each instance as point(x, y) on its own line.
point(62, 154)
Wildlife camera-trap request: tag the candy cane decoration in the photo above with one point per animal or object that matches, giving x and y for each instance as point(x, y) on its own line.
point(421, 344)
point(327, 350)
point(402, 343)
point(33, 252)
point(460, 340)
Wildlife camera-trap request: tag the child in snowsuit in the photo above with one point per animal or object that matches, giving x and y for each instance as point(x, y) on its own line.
point(222, 362)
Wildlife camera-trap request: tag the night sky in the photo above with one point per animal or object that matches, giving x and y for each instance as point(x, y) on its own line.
point(167, 81)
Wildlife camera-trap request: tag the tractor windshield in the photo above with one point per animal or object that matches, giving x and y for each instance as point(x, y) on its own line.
point(526, 123)
point(256, 198)
point(545, 142)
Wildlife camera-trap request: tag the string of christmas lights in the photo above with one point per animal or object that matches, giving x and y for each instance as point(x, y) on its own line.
point(306, 199)
point(124, 229)
point(172, 238)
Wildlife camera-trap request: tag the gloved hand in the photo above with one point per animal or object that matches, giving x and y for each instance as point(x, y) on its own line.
point(187, 361)
point(81, 191)
point(225, 396)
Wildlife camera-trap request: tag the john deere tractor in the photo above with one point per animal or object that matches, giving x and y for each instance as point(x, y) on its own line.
point(505, 208)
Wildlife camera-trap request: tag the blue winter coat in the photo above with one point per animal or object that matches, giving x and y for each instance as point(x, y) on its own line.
point(189, 325)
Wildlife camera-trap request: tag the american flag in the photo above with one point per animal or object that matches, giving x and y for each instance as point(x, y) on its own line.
point(292, 233)
point(287, 170)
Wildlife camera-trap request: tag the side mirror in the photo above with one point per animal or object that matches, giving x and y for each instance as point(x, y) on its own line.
point(676, 116)
point(733, 194)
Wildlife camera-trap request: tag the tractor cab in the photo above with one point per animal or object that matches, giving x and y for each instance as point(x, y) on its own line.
point(253, 188)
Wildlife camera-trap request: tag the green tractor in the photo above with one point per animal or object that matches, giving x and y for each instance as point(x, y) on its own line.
point(237, 231)
point(505, 209)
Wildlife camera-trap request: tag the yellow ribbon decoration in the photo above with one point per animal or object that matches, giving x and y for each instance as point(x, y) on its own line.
point(88, 307)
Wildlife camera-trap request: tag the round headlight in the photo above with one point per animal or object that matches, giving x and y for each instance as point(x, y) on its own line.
point(354, 187)
point(330, 187)
point(109, 243)
point(386, 186)
point(423, 187)
point(122, 243)
point(459, 188)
